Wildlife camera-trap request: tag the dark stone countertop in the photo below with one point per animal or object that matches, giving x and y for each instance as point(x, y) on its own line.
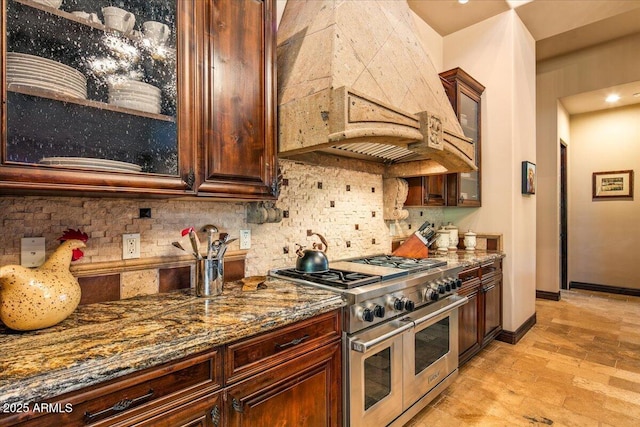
point(103, 341)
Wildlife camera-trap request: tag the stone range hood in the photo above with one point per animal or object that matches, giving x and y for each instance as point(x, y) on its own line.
point(354, 80)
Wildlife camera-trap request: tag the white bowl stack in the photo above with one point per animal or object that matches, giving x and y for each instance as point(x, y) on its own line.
point(135, 95)
point(51, 3)
point(41, 73)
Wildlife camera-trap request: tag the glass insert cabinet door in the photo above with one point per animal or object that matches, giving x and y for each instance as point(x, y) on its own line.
point(468, 115)
point(91, 85)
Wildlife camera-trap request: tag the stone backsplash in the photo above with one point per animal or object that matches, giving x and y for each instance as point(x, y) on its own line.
point(344, 206)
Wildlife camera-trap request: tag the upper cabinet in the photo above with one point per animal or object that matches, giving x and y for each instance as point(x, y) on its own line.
point(152, 97)
point(464, 92)
point(240, 128)
point(455, 189)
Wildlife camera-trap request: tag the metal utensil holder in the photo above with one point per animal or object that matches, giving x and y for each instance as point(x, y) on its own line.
point(209, 277)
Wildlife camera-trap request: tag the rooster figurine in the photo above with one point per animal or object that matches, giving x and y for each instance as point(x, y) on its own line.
point(39, 298)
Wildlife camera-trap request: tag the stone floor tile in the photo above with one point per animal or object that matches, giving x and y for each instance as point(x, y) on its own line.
point(625, 384)
point(578, 366)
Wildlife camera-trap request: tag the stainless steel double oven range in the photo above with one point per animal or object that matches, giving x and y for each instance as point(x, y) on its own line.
point(400, 339)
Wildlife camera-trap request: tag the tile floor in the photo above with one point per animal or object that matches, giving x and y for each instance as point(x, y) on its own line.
point(578, 366)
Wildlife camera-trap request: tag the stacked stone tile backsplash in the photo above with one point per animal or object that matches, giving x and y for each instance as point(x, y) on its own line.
point(344, 206)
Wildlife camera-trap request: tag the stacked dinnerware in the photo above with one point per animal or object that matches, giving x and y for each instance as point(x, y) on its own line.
point(51, 3)
point(41, 73)
point(91, 163)
point(135, 95)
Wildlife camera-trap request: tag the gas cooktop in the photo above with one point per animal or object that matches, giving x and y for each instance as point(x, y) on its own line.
point(357, 272)
point(343, 279)
point(410, 264)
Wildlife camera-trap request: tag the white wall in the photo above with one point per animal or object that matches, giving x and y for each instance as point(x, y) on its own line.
point(601, 66)
point(604, 234)
point(500, 53)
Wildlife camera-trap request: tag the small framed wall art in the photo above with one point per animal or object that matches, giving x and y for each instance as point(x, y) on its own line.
point(528, 178)
point(616, 185)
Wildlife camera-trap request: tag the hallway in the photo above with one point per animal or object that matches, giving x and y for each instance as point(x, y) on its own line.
point(578, 366)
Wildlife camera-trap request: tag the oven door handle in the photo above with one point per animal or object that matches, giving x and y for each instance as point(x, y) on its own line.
point(365, 346)
point(460, 301)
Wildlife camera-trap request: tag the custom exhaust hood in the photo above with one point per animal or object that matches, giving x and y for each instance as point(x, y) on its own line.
point(354, 80)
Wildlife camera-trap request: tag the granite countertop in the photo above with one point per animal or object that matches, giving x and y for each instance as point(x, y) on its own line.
point(462, 258)
point(103, 341)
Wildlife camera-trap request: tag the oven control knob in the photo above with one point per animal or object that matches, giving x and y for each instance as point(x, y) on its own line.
point(453, 283)
point(441, 289)
point(430, 295)
point(367, 315)
point(459, 283)
point(409, 305)
point(447, 286)
point(398, 304)
point(378, 311)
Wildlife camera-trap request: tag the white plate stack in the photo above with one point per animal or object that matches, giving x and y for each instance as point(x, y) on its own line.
point(135, 95)
point(91, 163)
point(41, 73)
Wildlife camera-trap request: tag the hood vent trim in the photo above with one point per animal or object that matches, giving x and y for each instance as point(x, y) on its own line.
point(323, 43)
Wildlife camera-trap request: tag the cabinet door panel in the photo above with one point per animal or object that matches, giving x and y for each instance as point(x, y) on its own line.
point(464, 93)
point(492, 310)
point(239, 131)
point(203, 412)
point(303, 392)
point(468, 324)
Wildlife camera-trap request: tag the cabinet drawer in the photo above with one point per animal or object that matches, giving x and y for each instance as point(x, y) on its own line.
point(470, 274)
point(135, 396)
point(254, 355)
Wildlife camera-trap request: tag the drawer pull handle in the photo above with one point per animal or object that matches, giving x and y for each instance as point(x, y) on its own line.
point(215, 415)
point(237, 406)
point(291, 343)
point(120, 406)
point(488, 288)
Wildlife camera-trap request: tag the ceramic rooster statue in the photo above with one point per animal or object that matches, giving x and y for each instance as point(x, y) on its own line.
point(39, 298)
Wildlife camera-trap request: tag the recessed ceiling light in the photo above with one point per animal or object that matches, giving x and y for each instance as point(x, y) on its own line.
point(612, 98)
point(463, 1)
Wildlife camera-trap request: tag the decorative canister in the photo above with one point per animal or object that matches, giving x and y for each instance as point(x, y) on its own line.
point(443, 239)
point(453, 237)
point(470, 241)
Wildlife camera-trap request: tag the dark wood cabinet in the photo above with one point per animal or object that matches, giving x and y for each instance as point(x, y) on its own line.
point(302, 391)
point(183, 392)
point(469, 315)
point(212, 132)
point(291, 376)
point(468, 324)
point(491, 275)
point(203, 412)
point(455, 189)
point(426, 191)
point(464, 93)
point(288, 376)
point(239, 146)
point(480, 319)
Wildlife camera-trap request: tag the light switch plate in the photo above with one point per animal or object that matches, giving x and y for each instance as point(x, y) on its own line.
point(32, 251)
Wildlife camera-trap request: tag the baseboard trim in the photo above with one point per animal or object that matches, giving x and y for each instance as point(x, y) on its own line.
point(513, 337)
point(554, 296)
point(604, 288)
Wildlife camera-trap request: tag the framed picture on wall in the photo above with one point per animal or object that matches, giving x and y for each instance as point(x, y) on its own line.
point(612, 185)
point(528, 178)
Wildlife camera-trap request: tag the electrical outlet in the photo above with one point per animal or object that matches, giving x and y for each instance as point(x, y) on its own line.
point(32, 251)
point(131, 246)
point(245, 239)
